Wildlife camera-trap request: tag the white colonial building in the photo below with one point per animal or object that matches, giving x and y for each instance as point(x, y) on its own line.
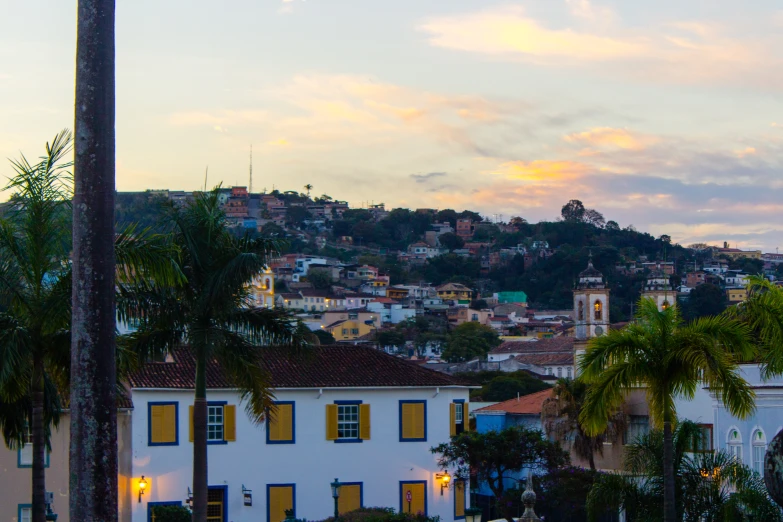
point(346, 412)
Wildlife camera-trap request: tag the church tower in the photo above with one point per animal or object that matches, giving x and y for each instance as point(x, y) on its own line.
point(659, 288)
point(264, 289)
point(591, 304)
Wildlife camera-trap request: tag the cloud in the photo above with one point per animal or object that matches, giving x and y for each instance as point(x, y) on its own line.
point(421, 178)
point(676, 52)
point(612, 138)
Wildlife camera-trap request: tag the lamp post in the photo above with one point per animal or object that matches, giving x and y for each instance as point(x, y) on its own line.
point(336, 496)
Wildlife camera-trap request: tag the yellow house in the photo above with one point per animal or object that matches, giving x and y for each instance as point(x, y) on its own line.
point(736, 295)
point(454, 292)
point(348, 329)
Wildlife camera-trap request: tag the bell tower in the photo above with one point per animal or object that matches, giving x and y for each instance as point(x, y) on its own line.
point(591, 304)
point(659, 288)
point(264, 289)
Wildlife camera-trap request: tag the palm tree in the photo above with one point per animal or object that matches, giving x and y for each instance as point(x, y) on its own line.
point(35, 301)
point(213, 312)
point(709, 486)
point(308, 188)
point(93, 451)
point(670, 360)
point(560, 417)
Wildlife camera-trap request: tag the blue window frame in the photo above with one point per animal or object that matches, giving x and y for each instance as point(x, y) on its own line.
point(216, 422)
point(421, 439)
point(176, 424)
point(21, 507)
point(293, 498)
point(22, 457)
point(293, 425)
point(152, 505)
point(348, 421)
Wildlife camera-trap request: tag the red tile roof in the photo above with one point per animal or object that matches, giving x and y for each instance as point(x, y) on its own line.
point(525, 405)
point(334, 366)
point(547, 345)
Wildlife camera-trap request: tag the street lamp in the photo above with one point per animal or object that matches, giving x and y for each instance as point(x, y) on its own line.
point(142, 487)
point(336, 496)
point(445, 479)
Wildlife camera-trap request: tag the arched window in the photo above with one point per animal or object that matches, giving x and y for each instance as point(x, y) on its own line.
point(568, 372)
point(581, 314)
point(759, 441)
point(598, 307)
point(735, 444)
point(559, 372)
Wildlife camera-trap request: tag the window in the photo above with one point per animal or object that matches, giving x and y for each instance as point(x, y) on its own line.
point(221, 423)
point(348, 421)
point(598, 310)
point(351, 497)
point(216, 504)
point(704, 442)
point(638, 426)
point(549, 371)
point(280, 424)
point(581, 313)
point(759, 450)
point(735, 444)
point(354, 331)
point(459, 417)
point(25, 512)
point(568, 372)
point(25, 455)
point(413, 421)
point(214, 423)
point(345, 331)
point(279, 498)
point(162, 419)
point(559, 373)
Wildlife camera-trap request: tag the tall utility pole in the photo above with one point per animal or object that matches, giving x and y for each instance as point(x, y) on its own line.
point(93, 453)
point(250, 183)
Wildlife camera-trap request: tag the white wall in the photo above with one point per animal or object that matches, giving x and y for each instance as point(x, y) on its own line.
point(311, 463)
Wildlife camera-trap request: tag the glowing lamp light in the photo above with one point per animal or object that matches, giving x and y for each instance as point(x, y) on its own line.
point(445, 479)
point(142, 486)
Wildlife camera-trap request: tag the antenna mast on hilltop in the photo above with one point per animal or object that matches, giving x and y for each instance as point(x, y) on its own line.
point(250, 183)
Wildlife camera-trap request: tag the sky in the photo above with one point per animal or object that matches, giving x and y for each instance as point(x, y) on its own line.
point(661, 114)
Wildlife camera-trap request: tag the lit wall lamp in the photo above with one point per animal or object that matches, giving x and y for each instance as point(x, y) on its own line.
point(445, 479)
point(142, 486)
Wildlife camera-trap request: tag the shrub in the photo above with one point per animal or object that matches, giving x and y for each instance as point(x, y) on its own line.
point(379, 514)
point(172, 514)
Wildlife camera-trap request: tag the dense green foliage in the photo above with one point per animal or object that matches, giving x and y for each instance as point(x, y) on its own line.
point(501, 386)
point(171, 514)
point(704, 300)
point(379, 514)
point(468, 341)
point(561, 494)
point(495, 456)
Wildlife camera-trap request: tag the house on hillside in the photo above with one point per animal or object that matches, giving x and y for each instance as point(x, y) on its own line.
point(555, 355)
point(341, 411)
point(455, 292)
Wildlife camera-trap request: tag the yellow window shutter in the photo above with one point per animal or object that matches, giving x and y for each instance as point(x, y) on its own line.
point(407, 421)
point(169, 425)
point(350, 498)
point(280, 499)
point(191, 423)
point(331, 422)
point(156, 424)
point(364, 421)
point(459, 498)
point(418, 430)
point(452, 419)
point(465, 417)
point(281, 423)
point(230, 422)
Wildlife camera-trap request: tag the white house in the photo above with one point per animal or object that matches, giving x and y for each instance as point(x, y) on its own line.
point(391, 312)
point(344, 411)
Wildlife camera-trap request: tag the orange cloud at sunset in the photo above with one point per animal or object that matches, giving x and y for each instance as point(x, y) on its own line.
point(611, 137)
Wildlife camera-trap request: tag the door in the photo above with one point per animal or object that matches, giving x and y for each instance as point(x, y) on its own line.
point(413, 497)
point(216, 504)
